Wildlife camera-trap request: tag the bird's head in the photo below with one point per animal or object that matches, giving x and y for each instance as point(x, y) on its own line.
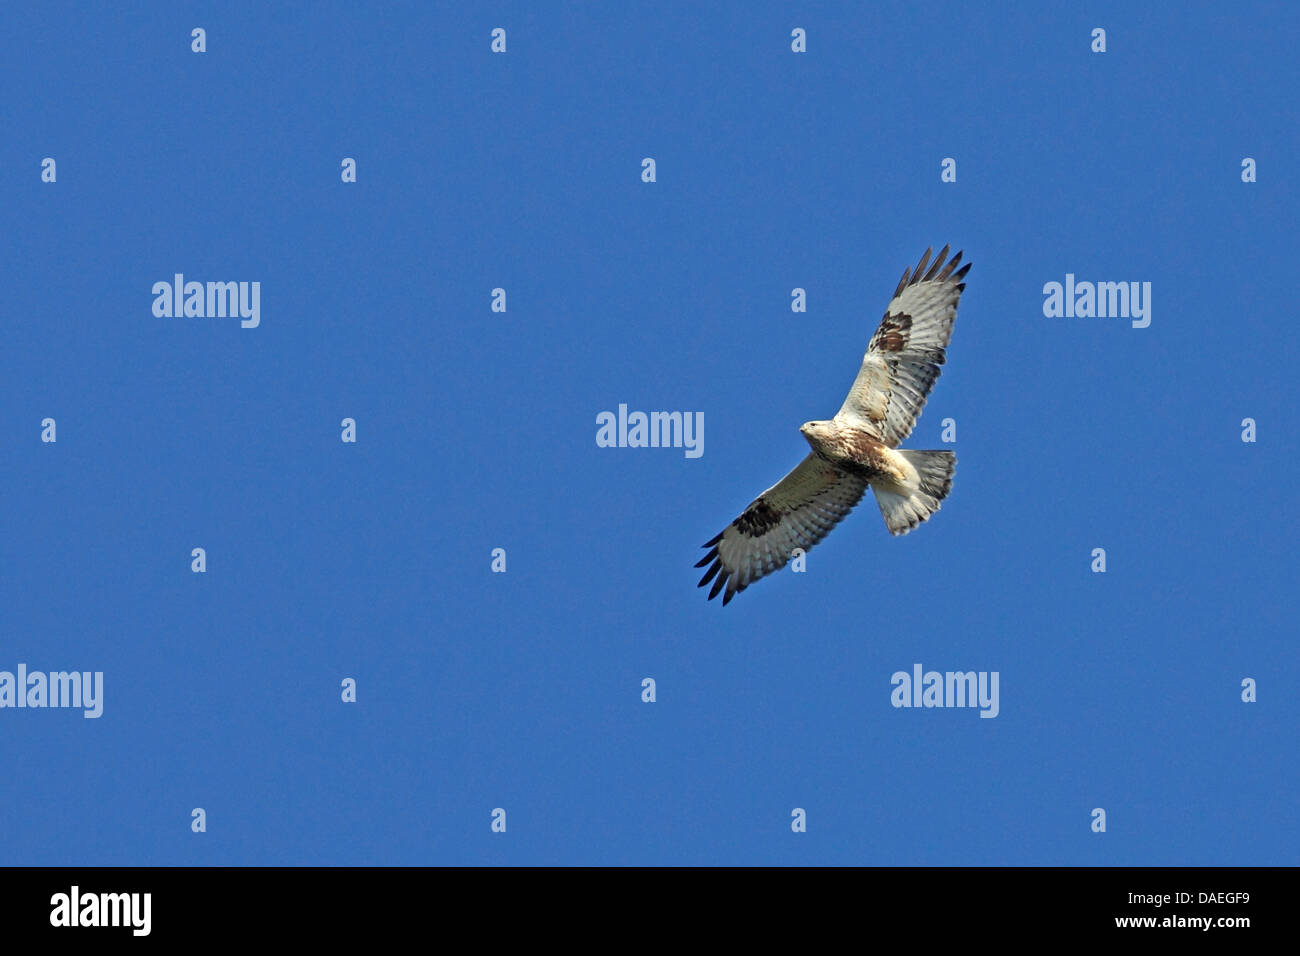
point(815, 430)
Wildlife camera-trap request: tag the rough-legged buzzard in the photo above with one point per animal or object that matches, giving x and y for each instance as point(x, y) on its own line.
point(856, 448)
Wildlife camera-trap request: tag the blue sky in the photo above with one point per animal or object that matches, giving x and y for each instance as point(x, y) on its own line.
point(476, 430)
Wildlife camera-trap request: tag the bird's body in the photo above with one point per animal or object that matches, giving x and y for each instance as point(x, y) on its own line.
point(857, 449)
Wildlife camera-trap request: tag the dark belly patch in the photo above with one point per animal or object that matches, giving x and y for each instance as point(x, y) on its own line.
point(866, 456)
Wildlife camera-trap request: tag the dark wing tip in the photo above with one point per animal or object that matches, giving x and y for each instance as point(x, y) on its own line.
point(912, 276)
point(734, 587)
point(920, 266)
point(938, 264)
point(708, 575)
point(948, 269)
point(902, 283)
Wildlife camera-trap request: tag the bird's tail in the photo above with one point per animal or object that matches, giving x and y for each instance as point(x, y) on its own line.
point(904, 506)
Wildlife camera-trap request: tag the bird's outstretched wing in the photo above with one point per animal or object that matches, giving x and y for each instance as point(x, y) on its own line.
point(796, 512)
point(903, 358)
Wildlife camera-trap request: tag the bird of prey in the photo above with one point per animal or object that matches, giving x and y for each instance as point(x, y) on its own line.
point(857, 448)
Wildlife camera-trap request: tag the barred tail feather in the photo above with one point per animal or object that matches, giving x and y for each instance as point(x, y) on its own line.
point(904, 506)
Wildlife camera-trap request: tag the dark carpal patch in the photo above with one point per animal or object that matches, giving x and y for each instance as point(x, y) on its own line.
point(892, 335)
point(758, 519)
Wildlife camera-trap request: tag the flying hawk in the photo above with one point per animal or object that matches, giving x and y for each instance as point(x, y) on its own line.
point(855, 449)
